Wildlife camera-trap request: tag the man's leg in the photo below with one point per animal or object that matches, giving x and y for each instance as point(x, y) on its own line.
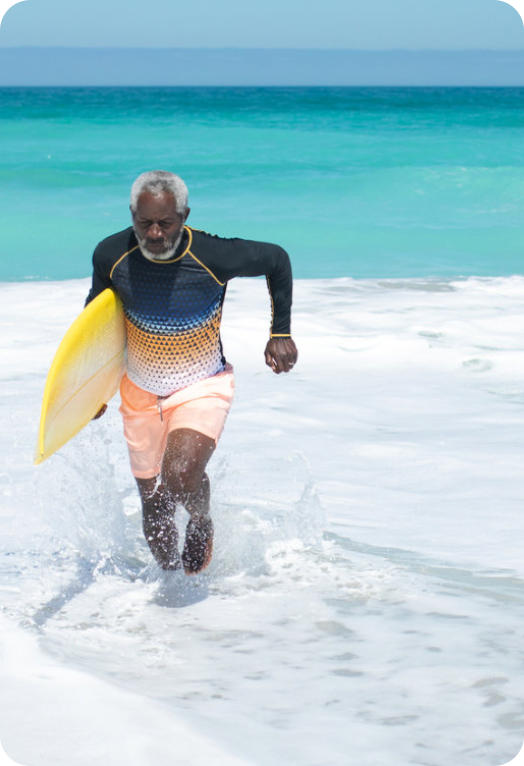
point(183, 474)
point(158, 520)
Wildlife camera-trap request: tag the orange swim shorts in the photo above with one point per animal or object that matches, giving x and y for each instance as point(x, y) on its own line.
point(148, 419)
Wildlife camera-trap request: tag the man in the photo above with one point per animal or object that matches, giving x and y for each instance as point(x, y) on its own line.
point(178, 387)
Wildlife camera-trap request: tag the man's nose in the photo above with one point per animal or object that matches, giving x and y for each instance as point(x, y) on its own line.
point(155, 232)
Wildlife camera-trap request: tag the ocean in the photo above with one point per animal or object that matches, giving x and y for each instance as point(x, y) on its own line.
point(365, 600)
point(359, 182)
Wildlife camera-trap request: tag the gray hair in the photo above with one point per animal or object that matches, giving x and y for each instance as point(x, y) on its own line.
point(156, 182)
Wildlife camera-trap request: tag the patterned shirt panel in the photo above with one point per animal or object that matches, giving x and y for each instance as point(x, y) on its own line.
point(172, 312)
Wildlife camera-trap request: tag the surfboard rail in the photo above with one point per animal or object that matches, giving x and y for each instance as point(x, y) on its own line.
point(85, 373)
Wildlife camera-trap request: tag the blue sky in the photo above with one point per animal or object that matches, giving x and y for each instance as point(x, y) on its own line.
point(362, 24)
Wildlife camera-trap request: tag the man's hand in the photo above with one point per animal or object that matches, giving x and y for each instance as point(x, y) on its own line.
point(100, 412)
point(281, 354)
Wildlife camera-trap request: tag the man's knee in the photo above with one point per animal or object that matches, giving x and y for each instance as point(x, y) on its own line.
point(185, 460)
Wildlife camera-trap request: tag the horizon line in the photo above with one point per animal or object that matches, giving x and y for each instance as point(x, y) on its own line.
point(239, 48)
point(275, 86)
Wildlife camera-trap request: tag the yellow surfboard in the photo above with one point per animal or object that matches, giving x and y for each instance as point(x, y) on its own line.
point(85, 373)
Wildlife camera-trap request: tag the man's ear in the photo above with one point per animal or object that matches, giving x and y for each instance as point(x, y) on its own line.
point(188, 210)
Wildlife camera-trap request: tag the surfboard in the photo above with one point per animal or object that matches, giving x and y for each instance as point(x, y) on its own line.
point(85, 373)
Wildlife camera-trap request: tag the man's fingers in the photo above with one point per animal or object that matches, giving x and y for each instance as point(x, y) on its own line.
point(271, 362)
point(100, 412)
point(281, 354)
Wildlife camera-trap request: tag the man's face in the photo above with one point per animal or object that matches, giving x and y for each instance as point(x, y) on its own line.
point(158, 226)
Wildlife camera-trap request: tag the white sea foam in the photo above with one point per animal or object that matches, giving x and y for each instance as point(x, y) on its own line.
point(365, 599)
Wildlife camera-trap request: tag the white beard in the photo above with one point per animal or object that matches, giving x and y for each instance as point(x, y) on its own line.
point(165, 256)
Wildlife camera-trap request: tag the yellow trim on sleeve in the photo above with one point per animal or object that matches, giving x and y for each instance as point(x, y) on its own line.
point(121, 259)
point(280, 335)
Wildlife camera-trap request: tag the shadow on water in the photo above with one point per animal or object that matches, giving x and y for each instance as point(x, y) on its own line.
point(176, 590)
point(85, 577)
point(87, 572)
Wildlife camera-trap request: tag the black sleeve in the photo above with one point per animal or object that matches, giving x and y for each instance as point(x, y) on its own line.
point(100, 280)
point(229, 258)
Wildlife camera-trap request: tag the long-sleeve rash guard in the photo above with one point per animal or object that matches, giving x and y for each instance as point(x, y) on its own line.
point(173, 308)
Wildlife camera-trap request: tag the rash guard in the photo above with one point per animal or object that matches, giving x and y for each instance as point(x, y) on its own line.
point(173, 308)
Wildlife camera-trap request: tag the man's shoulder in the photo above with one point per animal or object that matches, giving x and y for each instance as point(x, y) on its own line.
point(116, 244)
point(200, 236)
point(215, 241)
point(214, 245)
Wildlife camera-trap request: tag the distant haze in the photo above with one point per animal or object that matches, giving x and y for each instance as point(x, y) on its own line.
point(181, 67)
point(339, 24)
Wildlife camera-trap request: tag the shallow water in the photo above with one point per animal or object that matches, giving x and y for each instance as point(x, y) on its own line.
point(365, 599)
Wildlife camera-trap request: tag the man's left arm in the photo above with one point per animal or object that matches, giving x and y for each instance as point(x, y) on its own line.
point(246, 258)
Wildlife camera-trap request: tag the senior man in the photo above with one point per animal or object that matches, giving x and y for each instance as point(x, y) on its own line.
point(178, 387)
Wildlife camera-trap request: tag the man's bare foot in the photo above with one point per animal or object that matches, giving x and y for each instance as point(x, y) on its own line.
point(198, 546)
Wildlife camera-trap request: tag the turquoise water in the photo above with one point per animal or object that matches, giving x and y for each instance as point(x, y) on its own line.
point(360, 182)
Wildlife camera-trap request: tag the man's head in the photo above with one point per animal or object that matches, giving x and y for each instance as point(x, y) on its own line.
point(159, 210)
